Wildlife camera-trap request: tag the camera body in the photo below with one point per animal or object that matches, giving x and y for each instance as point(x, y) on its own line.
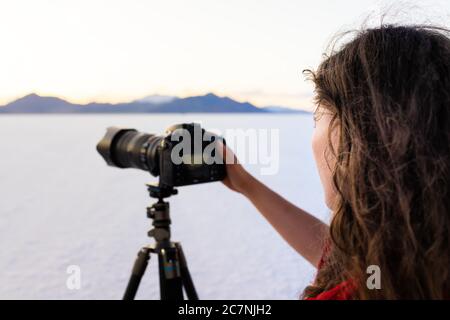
point(192, 169)
point(185, 155)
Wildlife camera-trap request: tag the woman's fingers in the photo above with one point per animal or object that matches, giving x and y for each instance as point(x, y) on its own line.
point(227, 154)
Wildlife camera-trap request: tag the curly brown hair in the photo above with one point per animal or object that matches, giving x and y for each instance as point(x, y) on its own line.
point(389, 92)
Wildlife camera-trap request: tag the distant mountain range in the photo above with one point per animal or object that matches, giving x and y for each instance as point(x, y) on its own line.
point(209, 103)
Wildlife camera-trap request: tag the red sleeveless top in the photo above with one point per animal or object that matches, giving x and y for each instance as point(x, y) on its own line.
point(342, 291)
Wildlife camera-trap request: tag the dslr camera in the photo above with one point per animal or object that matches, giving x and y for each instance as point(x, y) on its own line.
point(185, 155)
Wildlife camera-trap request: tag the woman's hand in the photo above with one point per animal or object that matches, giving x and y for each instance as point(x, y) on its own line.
point(237, 178)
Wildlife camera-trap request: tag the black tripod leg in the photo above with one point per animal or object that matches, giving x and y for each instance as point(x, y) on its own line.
point(170, 283)
point(186, 275)
point(136, 275)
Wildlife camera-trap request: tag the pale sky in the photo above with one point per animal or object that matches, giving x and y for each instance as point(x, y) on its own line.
point(119, 50)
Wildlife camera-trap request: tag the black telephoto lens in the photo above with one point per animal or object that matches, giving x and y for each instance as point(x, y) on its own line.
point(128, 148)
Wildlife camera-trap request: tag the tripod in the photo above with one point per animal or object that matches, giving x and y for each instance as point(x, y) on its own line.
point(173, 270)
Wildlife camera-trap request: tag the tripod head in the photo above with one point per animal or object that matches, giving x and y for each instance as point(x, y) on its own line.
point(159, 212)
point(161, 192)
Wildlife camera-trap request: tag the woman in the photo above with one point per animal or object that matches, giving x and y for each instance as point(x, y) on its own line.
point(382, 148)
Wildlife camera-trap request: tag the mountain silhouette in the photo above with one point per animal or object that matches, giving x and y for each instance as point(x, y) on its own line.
point(209, 103)
point(37, 104)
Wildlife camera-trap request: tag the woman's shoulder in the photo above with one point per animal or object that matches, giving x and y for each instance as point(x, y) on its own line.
point(342, 291)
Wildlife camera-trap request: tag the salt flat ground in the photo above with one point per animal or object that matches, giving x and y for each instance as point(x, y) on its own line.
point(61, 205)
